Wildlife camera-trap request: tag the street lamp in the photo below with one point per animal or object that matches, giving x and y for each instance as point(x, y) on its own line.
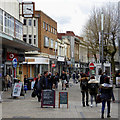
point(102, 19)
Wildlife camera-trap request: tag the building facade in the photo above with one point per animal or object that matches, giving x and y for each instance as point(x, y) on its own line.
point(11, 35)
point(41, 31)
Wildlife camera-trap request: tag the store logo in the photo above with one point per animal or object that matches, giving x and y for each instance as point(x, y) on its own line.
point(11, 56)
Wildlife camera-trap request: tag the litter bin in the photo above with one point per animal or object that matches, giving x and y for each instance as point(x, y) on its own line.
point(30, 79)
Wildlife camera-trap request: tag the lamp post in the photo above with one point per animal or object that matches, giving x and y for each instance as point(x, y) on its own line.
point(102, 18)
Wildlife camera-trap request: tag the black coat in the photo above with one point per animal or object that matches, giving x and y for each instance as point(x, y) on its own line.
point(63, 76)
point(107, 93)
point(41, 85)
point(102, 78)
point(84, 84)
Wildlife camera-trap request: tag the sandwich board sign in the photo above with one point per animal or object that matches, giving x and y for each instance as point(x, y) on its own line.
point(63, 98)
point(17, 89)
point(48, 98)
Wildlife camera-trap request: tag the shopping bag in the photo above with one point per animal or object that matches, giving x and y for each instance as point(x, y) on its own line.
point(98, 98)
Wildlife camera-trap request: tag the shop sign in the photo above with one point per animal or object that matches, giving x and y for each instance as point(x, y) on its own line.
point(10, 56)
point(17, 89)
point(14, 61)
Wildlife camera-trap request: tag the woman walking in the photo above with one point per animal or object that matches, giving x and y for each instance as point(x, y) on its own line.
point(93, 89)
point(106, 94)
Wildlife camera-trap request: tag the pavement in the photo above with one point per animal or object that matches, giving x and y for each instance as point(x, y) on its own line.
point(28, 107)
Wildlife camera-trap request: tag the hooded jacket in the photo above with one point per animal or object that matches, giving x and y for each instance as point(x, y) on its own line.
point(106, 92)
point(93, 86)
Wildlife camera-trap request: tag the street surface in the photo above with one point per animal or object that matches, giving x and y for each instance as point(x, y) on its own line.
point(29, 107)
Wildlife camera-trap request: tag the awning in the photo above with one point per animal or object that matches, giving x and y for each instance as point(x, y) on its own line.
point(61, 59)
point(18, 44)
point(36, 60)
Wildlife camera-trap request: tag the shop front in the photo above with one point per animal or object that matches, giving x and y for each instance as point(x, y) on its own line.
point(35, 65)
point(13, 49)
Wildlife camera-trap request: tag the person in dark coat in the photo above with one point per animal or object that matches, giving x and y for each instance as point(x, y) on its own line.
point(25, 81)
point(50, 80)
point(56, 80)
point(84, 89)
point(93, 89)
point(38, 87)
point(102, 78)
point(106, 90)
point(63, 80)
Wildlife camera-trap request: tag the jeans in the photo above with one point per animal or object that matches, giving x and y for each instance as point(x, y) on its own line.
point(39, 95)
point(103, 106)
point(83, 97)
point(92, 98)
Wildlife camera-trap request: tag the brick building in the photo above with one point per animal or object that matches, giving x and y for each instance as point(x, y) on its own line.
point(44, 36)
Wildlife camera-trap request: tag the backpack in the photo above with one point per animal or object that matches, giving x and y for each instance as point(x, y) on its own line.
point(93, 86)
point(84, 84)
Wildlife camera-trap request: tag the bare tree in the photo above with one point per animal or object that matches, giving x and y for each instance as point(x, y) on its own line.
point(93, 27)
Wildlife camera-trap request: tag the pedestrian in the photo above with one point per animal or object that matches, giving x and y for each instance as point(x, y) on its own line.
point(50, 80)
point(74, 77)
point(102, 77)
point(25, 82)
point(68, 78)
point(38, 86)
point(84, 89)
point(56, 80)
point(7, 80)
point(63, 80)
point(93, 89)
point(106, 91)
point(46, 82)
point(77, 77)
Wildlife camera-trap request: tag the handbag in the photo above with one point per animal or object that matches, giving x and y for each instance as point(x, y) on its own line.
point(34, 93)
point(98, 98)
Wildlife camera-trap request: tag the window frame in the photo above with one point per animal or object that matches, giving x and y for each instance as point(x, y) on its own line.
point(30, 39)
point(25, 37)
point(30, 22)
point(46, 41)
point(34, 39)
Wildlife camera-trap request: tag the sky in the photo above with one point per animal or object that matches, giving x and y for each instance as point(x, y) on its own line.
point(70, 15)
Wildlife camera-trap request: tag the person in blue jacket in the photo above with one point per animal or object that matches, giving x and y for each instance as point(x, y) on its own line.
point(106, 91)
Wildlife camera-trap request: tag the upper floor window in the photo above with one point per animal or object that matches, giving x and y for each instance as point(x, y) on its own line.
point(49, 28)
point(44, 25)
point(25, 38)
point(30, 39)
point(51, 43)
point(34, 22)
point(30, 22)
point(60, 50)
point(24, 22)
point(56, 44)
point(46, 41)
point(34, 39)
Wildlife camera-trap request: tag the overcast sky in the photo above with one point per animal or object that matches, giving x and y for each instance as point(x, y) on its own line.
point(70, 15)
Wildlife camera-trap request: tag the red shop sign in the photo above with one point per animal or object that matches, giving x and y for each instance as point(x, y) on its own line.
point(10, 56)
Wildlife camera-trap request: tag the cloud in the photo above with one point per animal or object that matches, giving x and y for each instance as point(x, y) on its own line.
point(70, 15)
point(63, 19)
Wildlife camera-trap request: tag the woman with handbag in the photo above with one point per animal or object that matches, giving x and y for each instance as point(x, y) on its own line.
point(106, 91)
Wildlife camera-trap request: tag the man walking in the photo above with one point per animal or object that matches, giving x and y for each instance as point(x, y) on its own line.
point(63, 80)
